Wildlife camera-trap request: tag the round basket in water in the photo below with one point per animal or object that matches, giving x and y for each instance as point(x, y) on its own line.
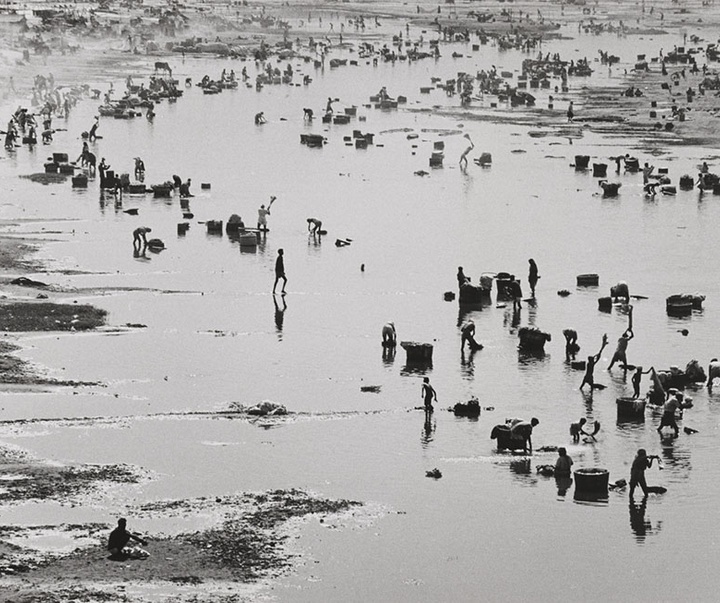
point(592, 480)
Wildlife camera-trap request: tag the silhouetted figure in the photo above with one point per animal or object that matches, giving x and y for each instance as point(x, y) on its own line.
point(533, 276)
point(314, 226)
point(279, 313)
point(563, 464)
point(92, 135)
point(576, 429)
point(620, 354)
point(674, 403)
point(637, 378)
point(571, 345)
point(428, 395)
point(637, 471)
point(589, 378)
point(139, 169)
point(468, 335)
point(389, 335)
point(516, 293)
point(119, 539)
point(280, 271)
point(185, 189)
point(466, 152)
point(524, 429)
point(140, 237)
point(461, 278)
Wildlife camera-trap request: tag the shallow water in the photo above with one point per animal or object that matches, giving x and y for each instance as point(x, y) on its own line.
point(215, 335)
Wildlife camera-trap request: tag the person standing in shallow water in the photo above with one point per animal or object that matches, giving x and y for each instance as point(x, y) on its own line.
point(563, 464)
point(263, 213)
point(533, 276)
point(428, 394)
point(314, 226)
point(280, 271)
point(589, 378)
point(620, 354)
point(466, 152)
point(461, 278)
point(637, 471)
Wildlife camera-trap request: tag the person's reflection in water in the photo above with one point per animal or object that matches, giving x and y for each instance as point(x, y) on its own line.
point(279, 314)
point(563, 485)
point(262, 242)
point(638, 524)
point(428, 432)
point(140, 254)
point(388, 354)
point(515, 318)
point(532, 311)
point(467, 364)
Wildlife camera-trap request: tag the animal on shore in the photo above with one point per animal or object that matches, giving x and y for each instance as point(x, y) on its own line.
point(163, 66)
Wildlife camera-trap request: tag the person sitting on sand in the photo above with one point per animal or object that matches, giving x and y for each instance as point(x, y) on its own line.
point(119, 539)
point(314, 226)
point(260, 118)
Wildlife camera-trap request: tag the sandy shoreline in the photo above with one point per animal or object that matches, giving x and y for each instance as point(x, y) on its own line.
point(246, 541)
